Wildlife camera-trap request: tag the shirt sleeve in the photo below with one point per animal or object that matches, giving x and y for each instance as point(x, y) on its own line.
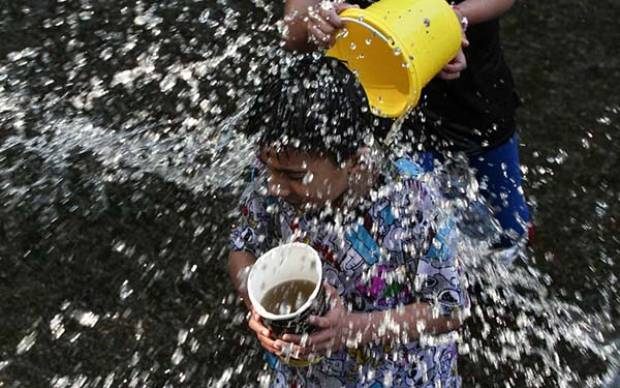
point(250, 234)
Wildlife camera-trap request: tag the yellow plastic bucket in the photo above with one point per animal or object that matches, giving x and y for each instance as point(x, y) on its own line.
point(395, 48)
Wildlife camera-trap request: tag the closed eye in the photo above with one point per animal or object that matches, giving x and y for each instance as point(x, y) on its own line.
point(296, 177)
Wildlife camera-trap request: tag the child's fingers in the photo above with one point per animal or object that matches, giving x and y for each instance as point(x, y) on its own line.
point(449, 76)
point(256, 326)
point(320, 337)
point(321, 322)
point(342, 6)
point(269, 345)
point(263, 335)
point(321, 22)
point(293, 338)
point(330, 16)
point(454, 67)
point(319, 36)
point(289, 349)
point(321, 343)
point(324, 18)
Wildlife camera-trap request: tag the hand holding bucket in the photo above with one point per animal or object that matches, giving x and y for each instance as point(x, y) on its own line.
point(396, 48)
point(294, 262)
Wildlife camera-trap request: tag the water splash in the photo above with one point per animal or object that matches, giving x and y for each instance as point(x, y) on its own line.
point(161, 95)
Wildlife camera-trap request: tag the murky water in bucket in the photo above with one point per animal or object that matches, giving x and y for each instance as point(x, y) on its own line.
point(120, 168)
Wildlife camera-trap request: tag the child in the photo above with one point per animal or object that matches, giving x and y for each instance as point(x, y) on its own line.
point(469, 108)
point(388, 251)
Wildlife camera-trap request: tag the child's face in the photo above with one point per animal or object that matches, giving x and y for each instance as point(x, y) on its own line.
point(300, 178)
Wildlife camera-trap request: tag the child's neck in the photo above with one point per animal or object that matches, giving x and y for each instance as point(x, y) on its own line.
point(358, 193)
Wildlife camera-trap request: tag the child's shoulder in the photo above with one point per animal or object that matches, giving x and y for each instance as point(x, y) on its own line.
point(408, 189)
point(254, 198)
point(406, 177)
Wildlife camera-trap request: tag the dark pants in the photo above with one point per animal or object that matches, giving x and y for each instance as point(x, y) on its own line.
point(498, 172)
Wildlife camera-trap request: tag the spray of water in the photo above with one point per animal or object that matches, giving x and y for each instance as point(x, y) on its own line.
point(143, 90)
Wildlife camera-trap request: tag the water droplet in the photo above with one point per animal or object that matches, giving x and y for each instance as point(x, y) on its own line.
point(26, 343)
point(85, 318)
point(585, 143)
point(601, 208)
point(56, 326)
point(106, 53)
point(177, 356)
point(199, 230)
point(604, 120)
point(86, 15)
point(204, 16)
point(308, 178)
point(182, 337)
point(168, 82)
point(140, 20)
point(203, 319)
point(125, 290)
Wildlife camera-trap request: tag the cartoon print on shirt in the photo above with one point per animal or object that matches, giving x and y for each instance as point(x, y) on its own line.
point(331, 276)
point(440, 253)
point(363, 243)
point(352, 261)
point(446, 363)
point(423, 367)
point(327, 248)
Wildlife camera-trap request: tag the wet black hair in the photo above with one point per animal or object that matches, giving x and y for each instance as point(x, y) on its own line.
point(314, 105)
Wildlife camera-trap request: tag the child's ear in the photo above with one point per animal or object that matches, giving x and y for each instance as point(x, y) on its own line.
point(360, 161)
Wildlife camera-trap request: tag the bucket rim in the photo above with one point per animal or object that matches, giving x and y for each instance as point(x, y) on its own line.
point(282, 317)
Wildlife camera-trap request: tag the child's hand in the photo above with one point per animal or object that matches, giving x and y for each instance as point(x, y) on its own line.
point(334, 325)
point(266, 339)
point(323, 22)
point(454, 68)
point(459, 63)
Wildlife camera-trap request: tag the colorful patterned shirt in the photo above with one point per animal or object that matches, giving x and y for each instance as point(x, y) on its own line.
point(396, 251)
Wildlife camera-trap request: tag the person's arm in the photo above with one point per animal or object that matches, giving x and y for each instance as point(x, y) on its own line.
point(479, 11)
point(400, 325)
point(340, 327)
point(311, 24)
point(296, 25)
point(474, 11)
point(239, 264)
point(300, 24)
point(439, 285)
point(247, 241)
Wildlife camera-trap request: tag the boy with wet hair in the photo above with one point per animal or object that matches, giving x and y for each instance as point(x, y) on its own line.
point(389, 254)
